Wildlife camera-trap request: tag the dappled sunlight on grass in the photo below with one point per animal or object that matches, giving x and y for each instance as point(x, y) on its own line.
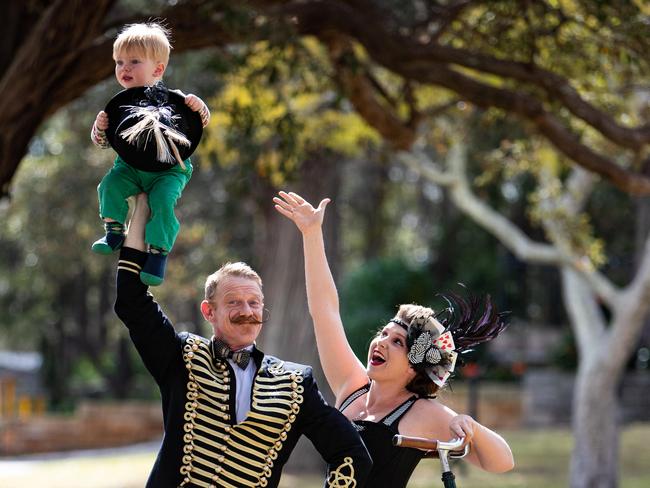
point(542, 461)
point(106, 471)
point(541, 457)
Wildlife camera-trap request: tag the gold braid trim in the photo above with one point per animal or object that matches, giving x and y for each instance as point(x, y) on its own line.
point(218, 453)
point(339, 480)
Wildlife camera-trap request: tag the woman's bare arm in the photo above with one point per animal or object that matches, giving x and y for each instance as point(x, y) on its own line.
point(344, 372)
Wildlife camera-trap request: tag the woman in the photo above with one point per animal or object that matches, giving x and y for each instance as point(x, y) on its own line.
point(408, 360)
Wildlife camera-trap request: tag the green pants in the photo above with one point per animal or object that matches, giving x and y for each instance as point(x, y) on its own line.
point(163, 188)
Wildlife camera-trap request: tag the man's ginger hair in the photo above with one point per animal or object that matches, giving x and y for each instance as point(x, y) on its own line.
point(150, 40)
point(239, 270)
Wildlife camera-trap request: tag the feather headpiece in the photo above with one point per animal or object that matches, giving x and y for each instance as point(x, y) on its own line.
point(434, 340)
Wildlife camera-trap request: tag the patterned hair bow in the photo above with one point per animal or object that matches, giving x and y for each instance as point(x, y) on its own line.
point(431, 350)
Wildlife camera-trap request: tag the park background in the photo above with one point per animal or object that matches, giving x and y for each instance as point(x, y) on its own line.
point(502, 145)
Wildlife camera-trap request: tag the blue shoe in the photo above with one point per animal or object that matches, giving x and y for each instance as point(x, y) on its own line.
point(153, 271)
point(108, 244)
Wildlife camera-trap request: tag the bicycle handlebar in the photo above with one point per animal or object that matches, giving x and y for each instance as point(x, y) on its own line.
point(454, 446)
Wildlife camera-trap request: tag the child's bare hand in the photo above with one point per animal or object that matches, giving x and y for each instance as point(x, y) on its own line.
point(101, 122)
point(194, 102)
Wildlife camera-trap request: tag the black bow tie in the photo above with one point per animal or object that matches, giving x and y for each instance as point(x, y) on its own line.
point(221, 350)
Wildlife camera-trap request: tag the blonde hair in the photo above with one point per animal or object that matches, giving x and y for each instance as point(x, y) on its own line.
point(239, 270)
point(149, 39)
point(408, 311)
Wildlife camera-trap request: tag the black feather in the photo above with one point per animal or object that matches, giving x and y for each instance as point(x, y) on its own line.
point(471, 320)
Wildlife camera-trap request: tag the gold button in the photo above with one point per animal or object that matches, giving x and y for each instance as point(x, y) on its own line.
point(188, 365)
point(227, 428)
point(278, 445)
point(294, 395)
point(294, 384)
point(226, 438)
point(190, 355)
point(195, 347)
point(292, 417)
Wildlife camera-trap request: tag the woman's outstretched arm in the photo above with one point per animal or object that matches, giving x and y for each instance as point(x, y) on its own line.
point(344, 372)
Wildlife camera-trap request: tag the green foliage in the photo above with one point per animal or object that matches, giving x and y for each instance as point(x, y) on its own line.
point(276, 108)
point(371, 295)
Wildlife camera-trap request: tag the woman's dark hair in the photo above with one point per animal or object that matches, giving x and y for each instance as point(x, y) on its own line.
point(422, 386)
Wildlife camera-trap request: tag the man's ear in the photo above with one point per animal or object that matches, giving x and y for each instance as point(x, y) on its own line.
point(207, 310)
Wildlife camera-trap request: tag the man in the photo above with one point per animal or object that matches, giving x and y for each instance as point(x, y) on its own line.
point(232, 415)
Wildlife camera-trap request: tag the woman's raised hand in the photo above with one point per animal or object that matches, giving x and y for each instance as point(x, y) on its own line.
point(300, 211)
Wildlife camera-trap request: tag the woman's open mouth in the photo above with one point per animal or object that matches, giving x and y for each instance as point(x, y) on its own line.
point(377, 359)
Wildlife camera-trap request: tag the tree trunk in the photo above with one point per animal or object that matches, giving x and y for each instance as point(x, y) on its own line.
point(596, 410)
point(289, 333)
point(370, 193)
point(596, 418)
point(642, 229)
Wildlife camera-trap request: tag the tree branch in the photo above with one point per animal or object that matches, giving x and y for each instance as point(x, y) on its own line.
point(430, 64)
point(456, 181)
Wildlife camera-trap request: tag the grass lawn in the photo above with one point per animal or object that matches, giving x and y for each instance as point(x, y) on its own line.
point(541, 458)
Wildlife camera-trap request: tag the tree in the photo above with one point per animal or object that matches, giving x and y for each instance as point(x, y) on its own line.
point(528, 59)
point(605, 344)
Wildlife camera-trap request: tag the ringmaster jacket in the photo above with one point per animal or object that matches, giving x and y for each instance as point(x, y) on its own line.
point(203, 446)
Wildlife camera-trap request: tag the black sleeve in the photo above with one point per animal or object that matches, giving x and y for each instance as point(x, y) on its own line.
point(150, 329)
point(336, 439)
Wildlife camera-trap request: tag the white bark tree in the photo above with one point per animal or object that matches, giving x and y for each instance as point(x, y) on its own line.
point(604, 345)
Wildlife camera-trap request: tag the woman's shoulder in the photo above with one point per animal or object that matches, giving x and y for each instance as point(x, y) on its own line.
point(427, 418)
point(431, 406)
point(351, 391)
